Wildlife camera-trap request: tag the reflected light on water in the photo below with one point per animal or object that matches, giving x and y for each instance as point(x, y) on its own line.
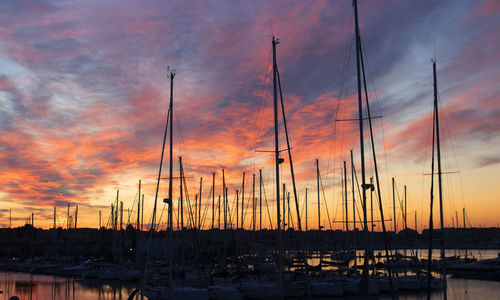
point(43, 287)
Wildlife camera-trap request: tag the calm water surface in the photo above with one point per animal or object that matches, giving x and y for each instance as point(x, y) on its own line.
point(42, 287)
point(45, 287)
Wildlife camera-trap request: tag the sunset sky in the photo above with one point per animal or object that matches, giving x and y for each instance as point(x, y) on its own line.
point(84, 97)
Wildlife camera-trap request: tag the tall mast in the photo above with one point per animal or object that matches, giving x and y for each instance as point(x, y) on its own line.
point(277, 162)
point(406, 210)
point(438, 147)
point(345, 199)
point(416, 227)
point(67, 217)
point(237, 200)
point(171, 75)
point(253, 203)
point(463, 215)
point(371, 204)
point(353, 197)
point(242, 199)
point(371, 186)
point(213, 198)
point(290, 221)
point(306, 209)
point(284, 207)
point(394, 223)
point(170, 176)
point(317, 189)
point(194, 213)
point(431, 212)
point(224, 198)
point(139, 207)
point(260, 199)
point(227, 207)
point(199, 204)
point(138, 225)
point(181, 193)
point(364, 278)
point(116, 209)
point(237, 209)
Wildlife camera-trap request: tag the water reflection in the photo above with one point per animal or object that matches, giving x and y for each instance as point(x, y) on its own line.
point(30, 286)
point(34, 287)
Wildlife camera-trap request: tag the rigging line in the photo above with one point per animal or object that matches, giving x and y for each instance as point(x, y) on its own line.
point(379, 106)
point(449, 140)
point(303, 208)
point(343, 78)
point(326, 204)
point(205, 210)
point(188, 202)
point(259, 116)
point(161, 215)
point(267, 206)
point(133, 205)
point(359, 194)
point(452, 146)
point(401, 206)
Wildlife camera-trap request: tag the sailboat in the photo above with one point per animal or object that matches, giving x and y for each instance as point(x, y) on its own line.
point(170, 291)
point(368, 284)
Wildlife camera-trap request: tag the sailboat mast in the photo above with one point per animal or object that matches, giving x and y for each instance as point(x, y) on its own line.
point(253, 203)
point(170, 174)
point(277, 163)
point(438, 148)
point(224, 198)
point(199, 204)
point(306, 209)
point(260, 199)
point(345, 199)
point(353, 197)
point(364, 278)
point(371, 205)
point(283, 214)
point(406, 207)
point(138, 207)
point(317, 189)
point(213, 199)
point(394, 223)
point(242, 199)
point(237, 200)
point(181, 193)
point(431, 213)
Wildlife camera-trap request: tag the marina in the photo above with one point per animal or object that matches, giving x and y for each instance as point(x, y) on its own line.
point(311, 200)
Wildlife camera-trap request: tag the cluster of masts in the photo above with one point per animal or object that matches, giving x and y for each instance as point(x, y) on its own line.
point(235, 218)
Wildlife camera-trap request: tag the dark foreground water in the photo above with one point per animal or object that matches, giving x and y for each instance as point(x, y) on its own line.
point(41, 287)
point(45, 287)
point(459, 289)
